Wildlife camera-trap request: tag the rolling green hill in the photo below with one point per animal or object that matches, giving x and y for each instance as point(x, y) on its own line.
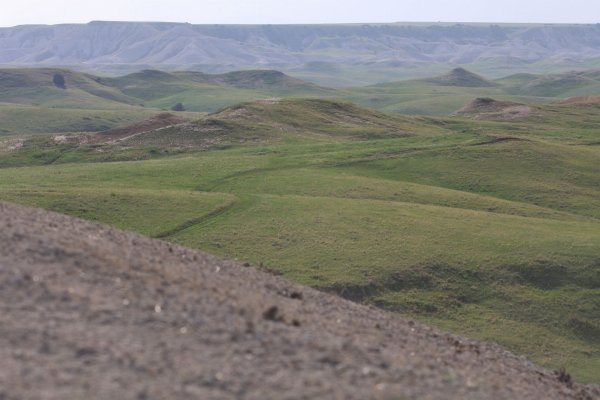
point(266, 122)
point(435, 96)
point(208, 93)
point(282, 120)
point(446, 94)
point(463, 78)
point(82, 91)
point(563, 85)
point(481, 218)
point(90, 103)
point(87, 103)
point(480, 225)
point(37, 87)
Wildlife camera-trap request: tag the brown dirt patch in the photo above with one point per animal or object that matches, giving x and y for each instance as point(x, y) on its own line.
point(581, 99)
point(159, 121)
point(487, 108)
point(10, 145)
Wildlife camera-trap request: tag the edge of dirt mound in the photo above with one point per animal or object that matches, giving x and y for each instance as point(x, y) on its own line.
point(94, 312)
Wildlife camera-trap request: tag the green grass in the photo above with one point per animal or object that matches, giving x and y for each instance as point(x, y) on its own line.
point(424, 97)
point(558, 177)
point(434, 231)
point(364, 74)
point(428, 217)
point(150, 212)
point(26, 119)
point(31, 103)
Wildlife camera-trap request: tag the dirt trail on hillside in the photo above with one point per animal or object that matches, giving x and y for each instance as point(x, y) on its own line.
point(90, 312)
point(581, 99)
point(156, 122)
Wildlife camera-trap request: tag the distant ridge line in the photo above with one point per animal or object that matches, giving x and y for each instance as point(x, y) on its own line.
point(114, 42)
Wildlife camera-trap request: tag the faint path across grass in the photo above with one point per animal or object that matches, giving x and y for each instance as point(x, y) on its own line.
point(197, 221)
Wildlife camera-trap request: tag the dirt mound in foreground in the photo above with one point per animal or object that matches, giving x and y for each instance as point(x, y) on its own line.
point(93, 312)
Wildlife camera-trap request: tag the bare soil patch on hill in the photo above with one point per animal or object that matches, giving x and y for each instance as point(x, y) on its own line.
point(581, 99)
point(487, 108)
point(157, 122)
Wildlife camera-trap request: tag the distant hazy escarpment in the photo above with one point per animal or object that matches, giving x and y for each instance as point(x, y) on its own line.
point(233, 46)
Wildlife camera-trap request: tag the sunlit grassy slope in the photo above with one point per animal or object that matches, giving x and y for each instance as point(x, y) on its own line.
point(430, 217)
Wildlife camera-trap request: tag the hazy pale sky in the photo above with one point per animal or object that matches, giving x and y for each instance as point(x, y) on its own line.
point(17, 12)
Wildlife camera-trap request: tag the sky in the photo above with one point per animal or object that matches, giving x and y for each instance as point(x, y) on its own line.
point(19, 12)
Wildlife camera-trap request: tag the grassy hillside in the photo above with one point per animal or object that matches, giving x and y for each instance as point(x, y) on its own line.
point(562, 85)
point(447, 93)
point(288, 119)
point(37, 87)
point(463, 78)
point(200, 92)
point(482, 226)
point(208, 93)
point(31, 102)
point(263, 122)
point(340, 74)
point(424, 97)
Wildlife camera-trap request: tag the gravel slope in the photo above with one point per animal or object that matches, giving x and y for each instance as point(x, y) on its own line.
point(90, 312)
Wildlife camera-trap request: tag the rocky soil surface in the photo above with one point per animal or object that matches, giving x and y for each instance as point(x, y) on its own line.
point(90, 312)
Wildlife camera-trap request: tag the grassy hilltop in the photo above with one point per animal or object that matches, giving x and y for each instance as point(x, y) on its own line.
point(485, 222)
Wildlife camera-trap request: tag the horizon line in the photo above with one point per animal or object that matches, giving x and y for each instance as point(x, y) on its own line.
point(305, 23)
